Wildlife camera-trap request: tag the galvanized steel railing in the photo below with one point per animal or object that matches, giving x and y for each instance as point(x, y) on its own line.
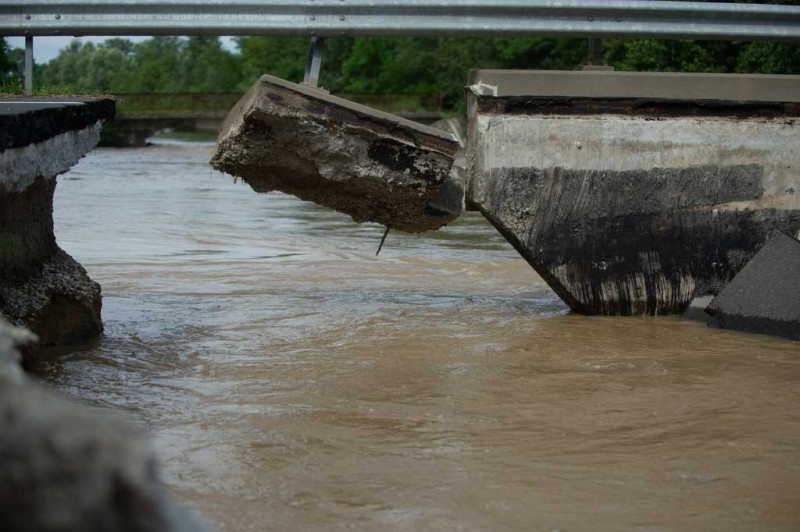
point(565, 18)
point(475, 18)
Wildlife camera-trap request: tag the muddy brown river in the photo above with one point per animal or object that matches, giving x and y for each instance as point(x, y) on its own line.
point(290, 380)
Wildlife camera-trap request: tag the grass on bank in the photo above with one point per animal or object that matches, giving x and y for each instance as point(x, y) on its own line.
point(16, 87)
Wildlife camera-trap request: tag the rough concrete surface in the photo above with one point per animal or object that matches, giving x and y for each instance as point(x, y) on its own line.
point(68, 469)
point(765, 296)
point(26, 120)
point(371, 165)
point(59, 302)
point(630, 207)
point(19, 167)
point(26, 229)
point(41, 286)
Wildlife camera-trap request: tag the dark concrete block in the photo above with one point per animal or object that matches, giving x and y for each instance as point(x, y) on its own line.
point(765, 296)
point(26, 120)
point(372, 165)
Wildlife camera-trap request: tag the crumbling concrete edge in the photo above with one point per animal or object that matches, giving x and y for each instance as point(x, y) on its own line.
point(371, 165)
point(41, 286)
point(19, 167)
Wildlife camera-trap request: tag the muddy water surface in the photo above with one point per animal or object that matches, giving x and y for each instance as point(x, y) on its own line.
point(292, 381)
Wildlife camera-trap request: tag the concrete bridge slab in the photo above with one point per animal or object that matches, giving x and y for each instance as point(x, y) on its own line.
point(632, 193)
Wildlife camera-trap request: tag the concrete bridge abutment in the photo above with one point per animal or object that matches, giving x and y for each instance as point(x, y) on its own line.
point(633, 193)
point(41, 286)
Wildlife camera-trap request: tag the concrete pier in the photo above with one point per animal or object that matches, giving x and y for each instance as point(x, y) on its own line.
point(41, 286)
point(632, 193)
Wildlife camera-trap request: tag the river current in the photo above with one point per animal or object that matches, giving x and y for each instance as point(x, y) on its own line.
point(291, 380)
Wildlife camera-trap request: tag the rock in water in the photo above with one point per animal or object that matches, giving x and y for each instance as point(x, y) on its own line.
point(765, 296)
point(65, 468)
point(372, 165)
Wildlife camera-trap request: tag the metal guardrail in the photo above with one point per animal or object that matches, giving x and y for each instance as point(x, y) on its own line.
point(466, 18)
point(561, 18)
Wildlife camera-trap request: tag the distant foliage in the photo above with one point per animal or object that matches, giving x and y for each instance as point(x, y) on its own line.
point(160, 64)
point(703, 56)
point(381, 65)
point(11, 64)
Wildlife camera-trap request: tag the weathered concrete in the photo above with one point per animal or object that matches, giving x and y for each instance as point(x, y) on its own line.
point(626, 197)
point(67, 469)
point(369, 164)
point(765, 296)
point(25, 121)
point(41, 286)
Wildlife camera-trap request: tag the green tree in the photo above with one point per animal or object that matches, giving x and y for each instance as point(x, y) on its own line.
point(11, 60)
point(156, 67)
point(380, 65)
point(284, 57)
point(545, 54)
point(207, 67)
point(770, 58)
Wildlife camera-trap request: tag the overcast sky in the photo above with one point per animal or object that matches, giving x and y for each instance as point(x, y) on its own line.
point(46, 48)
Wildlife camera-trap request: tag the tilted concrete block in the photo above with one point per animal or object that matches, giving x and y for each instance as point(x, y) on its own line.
point(372, 165)
point(765, 296)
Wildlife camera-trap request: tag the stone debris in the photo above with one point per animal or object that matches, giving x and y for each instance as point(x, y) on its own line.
point(372, 165)
point(68, 469)
point(765, 296)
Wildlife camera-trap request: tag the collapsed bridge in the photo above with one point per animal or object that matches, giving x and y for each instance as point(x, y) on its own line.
point(629, 193)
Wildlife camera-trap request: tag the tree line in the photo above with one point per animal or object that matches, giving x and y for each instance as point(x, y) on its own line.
point(382, 65)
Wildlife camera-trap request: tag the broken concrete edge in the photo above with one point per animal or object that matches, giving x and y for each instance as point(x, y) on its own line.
point(70, 468)
point(29, 120)
point(19, 167)
point(740, 88)
point(363, 112)
point(58, 302)
point(371, 165)
point(41, 286)
point(764, 297)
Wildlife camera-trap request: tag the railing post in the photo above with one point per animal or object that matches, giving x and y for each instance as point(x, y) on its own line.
point(595, 55)
point(28, 73)
point(314, 62)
